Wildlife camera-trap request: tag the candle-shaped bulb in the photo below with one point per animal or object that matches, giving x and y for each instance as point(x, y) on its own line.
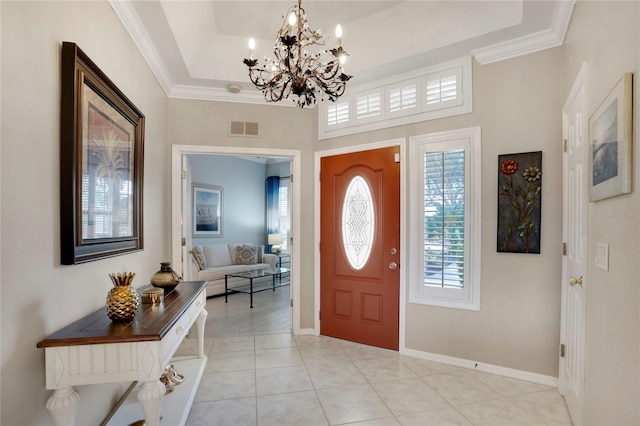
point(293, 19)
point(343, 59)
point(339, 34)
point(252, 45)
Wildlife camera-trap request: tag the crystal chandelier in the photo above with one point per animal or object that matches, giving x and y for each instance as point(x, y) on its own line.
point(296, 72)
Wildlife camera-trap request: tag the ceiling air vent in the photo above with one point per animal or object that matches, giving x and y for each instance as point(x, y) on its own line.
point(243, 128)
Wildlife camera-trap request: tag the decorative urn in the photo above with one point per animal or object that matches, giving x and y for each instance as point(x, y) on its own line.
point(165, 278)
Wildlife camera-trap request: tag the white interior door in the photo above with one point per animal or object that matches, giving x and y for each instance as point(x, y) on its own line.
point(185, 193)
point(574, 263)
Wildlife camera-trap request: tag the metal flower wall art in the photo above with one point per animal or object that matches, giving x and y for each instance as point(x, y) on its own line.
point(519, 202)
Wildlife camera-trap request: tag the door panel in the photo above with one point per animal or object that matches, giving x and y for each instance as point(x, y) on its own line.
point(360, 302)
point(575, 207)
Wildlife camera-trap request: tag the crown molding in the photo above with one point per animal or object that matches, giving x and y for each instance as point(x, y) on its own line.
point(216, 94)
point(524, 45)
point(531, 43)
point(127, 14)
point(125, 11)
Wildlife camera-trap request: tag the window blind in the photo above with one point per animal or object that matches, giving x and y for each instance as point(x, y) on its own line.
point(444, 198)
point(283, 212)
point(403, 98)
point(442, 89)
point(338, 113)
point(368, 106)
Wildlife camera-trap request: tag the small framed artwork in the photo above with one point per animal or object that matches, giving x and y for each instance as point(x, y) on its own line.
point(610, 138)
point(101, 162)
point(519, 202)
point(207, 211)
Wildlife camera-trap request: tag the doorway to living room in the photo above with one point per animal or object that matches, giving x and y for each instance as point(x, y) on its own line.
point(230, 224)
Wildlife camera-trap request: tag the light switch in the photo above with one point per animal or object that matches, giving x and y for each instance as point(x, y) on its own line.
point(602, 256)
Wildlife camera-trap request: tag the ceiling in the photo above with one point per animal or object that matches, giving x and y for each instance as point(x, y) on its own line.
point(195, 48)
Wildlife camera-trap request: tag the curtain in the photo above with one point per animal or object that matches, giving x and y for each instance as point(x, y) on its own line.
point(273, 215)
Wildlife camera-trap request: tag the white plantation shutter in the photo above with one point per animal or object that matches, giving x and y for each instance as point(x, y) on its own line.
point(403, 98)
point(443, 89)
point(445, 219)
point(368, 105)
point(338, 113)
point(444, 199)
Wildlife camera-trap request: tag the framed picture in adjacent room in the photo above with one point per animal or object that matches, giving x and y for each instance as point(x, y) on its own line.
point(207, 211)
point(610, 136)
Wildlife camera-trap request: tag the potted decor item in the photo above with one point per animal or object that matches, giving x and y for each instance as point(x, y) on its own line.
point(165, 278)
point(122, 300)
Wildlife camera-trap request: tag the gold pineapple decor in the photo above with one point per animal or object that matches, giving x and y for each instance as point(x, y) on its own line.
point(122, 300)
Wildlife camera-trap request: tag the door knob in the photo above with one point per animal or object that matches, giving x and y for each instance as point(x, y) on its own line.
point(393, 265)
point(575, 281)
point(393, 251)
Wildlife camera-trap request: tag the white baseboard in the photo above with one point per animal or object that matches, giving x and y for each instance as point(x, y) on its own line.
point(306, 332)
point(487, 368)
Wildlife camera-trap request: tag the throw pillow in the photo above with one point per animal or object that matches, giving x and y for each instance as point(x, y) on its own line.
point(217, 255)
point(198, 255)
point(246, 255)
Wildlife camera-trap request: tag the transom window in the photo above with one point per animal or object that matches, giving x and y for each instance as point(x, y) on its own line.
point(442, 90)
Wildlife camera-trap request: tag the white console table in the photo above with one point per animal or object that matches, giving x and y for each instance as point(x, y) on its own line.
point(96, 350)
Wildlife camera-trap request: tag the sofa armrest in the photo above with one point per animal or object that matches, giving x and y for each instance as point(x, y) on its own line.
point(271, 259)
point(194, 268)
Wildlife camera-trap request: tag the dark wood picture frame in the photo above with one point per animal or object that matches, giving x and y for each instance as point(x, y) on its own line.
point(101, 164)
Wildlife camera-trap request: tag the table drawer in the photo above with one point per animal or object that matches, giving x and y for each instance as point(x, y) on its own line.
point(174, 336)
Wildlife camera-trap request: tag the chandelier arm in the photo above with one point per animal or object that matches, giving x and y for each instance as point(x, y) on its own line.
point(296, 72)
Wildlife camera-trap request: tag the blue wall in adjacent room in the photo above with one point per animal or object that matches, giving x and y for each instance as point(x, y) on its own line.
point(243, 196)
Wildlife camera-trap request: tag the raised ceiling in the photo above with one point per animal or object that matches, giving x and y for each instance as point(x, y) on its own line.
point(195, 48)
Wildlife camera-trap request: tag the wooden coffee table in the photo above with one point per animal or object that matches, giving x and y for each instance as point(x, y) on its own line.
point(252, 288)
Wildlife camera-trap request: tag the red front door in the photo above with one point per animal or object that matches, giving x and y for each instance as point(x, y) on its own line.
point(359, 252)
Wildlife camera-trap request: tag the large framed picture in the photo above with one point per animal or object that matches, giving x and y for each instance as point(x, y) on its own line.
point(101, 164)
point(610, 142)
point(207, 211)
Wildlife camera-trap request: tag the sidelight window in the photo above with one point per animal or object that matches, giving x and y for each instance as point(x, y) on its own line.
point(445, 219)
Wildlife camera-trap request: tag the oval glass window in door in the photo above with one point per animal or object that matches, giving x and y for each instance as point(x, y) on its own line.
point(358, 220)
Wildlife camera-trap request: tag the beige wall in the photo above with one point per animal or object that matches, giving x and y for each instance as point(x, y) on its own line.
point(39, 296)
point(607, 35)
point(517, 104)
point(207, 123)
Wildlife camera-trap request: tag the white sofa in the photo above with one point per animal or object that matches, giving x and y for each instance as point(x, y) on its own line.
point(212, 262)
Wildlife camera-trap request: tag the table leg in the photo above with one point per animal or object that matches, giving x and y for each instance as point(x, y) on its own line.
point(62, 405)
point(273, 282)
point(150, 397)
point(200, 321)
point(251, 291)
point(225, 289)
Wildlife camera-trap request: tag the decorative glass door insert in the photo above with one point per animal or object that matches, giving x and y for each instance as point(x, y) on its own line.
point(358, 222)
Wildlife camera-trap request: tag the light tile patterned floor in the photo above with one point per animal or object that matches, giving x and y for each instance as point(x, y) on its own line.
point(260, 374)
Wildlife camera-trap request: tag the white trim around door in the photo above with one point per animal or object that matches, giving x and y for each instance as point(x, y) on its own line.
point(177, 151)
